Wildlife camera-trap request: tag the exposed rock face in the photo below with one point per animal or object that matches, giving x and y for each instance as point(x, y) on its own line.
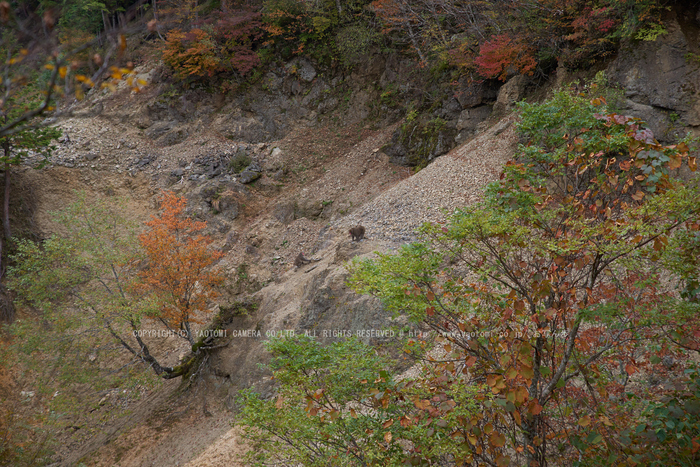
point(656, 119)
point(217, 201)
point(303, 68)
point(417, 143)
point(284, 211)
point(324, 313)
point(315, 302)
point(275, 161)
point(297, 93)
point(662, 77)
point(509, 94)
point(469, 120)
point(226, 205)
point(309, 208)
point(475, 94)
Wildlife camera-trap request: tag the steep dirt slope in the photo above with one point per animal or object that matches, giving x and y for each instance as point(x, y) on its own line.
point(326, 171)
point(451, 181)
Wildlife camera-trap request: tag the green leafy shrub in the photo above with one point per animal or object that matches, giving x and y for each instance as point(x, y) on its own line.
point(339, 405)
point(239, 162)
point(354, 41)
point(550, 295)
point(325, 410)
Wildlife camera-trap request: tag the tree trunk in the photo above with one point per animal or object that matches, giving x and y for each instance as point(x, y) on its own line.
point(415, 43)
point(181, 369)
point(189, 332)
point(6, 154)
point(2, 244)
point(7, 308)
point(535, 452)
point(144, 354)
point(104, 21)
point(6, 202)
point(155, 17)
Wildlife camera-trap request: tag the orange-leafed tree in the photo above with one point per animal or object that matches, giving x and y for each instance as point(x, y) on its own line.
point(180, 272)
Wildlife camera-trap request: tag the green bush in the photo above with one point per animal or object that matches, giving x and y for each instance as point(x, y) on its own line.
point(239, 162)
point(354, 41)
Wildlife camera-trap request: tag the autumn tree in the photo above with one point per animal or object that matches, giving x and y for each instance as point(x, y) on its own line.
point(550, 294)
point(225, 44)
point(40, 70)
point(502, 57)
point(91, 298)
point(179, 270)
point(98, 277)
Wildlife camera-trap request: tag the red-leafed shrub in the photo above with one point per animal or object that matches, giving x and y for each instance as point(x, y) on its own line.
point(239, 33)
point(227, 45)
point(503, 56)
point(501, 38)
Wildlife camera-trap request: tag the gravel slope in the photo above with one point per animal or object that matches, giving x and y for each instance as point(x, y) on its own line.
point(451, 181)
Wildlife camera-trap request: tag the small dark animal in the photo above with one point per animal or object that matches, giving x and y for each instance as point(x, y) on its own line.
point(302, 260)
point(357, 233)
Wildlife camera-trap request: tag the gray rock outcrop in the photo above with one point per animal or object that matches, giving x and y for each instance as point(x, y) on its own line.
point(661, 78)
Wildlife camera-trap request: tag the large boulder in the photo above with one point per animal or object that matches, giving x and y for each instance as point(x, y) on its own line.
point(469, 120)
point(471, 94)
point(284, 211)
point(251, 173)
point(510, 93)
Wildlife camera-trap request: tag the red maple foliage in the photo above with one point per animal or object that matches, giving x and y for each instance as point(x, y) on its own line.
point(503, 56)
point(227, 45)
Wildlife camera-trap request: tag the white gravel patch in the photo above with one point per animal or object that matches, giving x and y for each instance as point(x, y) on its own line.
point(452, 181)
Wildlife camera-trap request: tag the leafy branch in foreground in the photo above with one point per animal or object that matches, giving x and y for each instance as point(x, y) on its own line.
point(33, 59)
point(333, 408)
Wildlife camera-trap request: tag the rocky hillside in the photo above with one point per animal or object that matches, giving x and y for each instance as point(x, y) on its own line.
point(287, 167)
